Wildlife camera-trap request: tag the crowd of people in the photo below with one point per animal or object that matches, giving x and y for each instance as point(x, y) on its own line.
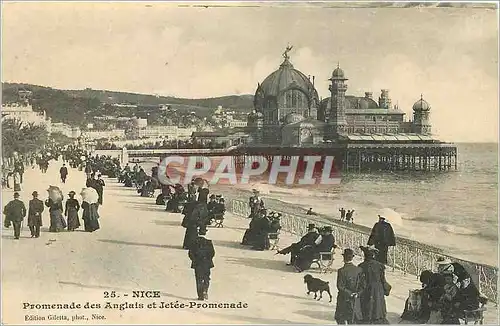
point(62, 214)
point(199, 209)
point(362, 290)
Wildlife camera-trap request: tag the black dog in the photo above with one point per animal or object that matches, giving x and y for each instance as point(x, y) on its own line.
point(316, 285)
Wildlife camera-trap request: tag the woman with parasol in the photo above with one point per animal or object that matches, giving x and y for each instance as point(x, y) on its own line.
point(89, 205)
point(54, 203)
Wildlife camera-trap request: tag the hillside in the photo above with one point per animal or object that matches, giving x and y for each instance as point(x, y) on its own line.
point(76, 106)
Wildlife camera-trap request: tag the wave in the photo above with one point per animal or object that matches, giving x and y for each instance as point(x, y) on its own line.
point(267, 189)
point(458, 230)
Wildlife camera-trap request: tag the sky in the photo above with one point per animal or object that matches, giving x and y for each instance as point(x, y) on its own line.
point(450, 55)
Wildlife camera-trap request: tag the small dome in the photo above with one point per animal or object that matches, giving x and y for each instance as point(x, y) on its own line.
point(421, 105)
point(338, 73)
point(293, 118)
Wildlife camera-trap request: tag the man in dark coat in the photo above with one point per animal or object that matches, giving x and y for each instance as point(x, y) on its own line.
point(193, 219)
point(382, 237)
point(350, 284)
point(15, 211)
point(307, 240)
point(342, 213)
point(100, 188)
point(35, 210)
point(255, 203)
point(63, 171)
point(201, 254)
point(373, 304)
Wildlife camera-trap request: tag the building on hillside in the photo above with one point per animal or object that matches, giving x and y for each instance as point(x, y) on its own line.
point(220, 139)
point(24, 112)
point(66, 130)
point(167, 132)
point(237, 123)
point(104, 134)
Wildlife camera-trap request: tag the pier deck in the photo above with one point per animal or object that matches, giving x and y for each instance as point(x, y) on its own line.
point(139, 248)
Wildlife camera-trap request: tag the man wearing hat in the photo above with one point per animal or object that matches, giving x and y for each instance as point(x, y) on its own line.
point(382, 237)
point(15, 211)
point(63, 171)
point(201, 254)
point(35, 210)
point(350, 283)
point(308, 239)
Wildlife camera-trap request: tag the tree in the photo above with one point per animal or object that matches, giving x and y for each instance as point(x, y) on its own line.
point(23, 138)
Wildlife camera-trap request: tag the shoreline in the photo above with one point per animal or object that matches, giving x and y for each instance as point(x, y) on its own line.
point(362, 223)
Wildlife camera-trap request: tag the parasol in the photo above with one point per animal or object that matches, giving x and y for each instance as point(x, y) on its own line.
point(55, 194)
point(391, 216)
point(89, 195)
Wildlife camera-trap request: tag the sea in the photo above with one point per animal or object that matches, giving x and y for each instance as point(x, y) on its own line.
point(456, 211)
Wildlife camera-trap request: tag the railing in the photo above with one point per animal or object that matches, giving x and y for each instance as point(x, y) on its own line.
point(410, 257)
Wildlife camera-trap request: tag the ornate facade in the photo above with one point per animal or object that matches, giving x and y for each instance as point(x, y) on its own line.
point(288, 111)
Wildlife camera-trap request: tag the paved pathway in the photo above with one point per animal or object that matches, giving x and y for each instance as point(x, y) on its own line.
point(139, 248)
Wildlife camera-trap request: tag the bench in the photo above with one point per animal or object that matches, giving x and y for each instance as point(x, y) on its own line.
point(219, 220)
point(475, 315)
point(325, 261)
point(274, 239)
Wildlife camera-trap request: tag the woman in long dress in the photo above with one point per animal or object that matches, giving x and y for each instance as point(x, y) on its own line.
point(71, 212)
point(90, 217)
point(17, 181)
point(57, 222)
point(373, 297)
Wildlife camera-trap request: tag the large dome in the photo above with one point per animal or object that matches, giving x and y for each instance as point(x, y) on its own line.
point(287, 77)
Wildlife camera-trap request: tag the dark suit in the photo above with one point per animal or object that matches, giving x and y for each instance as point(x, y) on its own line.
point(350, 280)
point(201, 254)
point(382, 237)
point(294, 249)
point(64, 173)
point(15, 211)
point(35, 216)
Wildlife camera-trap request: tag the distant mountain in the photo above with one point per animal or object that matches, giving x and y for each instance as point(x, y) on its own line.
point(75, 106)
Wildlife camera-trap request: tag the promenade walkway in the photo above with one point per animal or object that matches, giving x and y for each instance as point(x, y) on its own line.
point(139, 248)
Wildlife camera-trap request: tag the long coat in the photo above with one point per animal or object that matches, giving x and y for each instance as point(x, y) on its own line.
point(350, 279)
point(202, 253)
point(35, 212)
point(15, 210)
point(382, 235)
point(90, 217)
point(72, 208)
point(327, 243)
point(373, 299)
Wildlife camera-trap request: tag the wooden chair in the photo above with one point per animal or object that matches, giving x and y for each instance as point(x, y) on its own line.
point(219, 220)
point(475, 315)
point(274, 239)
point(325, 261)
